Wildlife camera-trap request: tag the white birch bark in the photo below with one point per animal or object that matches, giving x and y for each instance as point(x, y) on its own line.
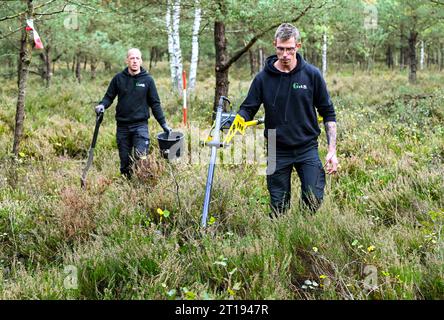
point(171, 55)
point(324, 55)
point(421, 61)
point(261, 59)
point(195, 46)
point(176, 45)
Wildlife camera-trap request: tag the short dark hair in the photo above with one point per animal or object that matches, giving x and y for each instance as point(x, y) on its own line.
point(286, 31)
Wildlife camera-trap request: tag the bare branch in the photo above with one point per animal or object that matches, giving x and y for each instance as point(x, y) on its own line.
point(21, 13)
point(10, 33)
point(51, 13)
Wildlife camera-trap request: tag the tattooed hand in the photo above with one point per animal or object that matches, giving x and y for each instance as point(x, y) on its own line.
point(332, 162)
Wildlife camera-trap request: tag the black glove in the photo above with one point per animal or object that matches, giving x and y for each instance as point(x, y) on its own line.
point(166, 129)
point(100, 109)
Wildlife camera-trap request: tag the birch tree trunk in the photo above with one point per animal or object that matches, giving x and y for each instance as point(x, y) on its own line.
point(261, 59)
point(176, 44)
point(24, 61)
point(195, 46)
point(421, 61)
point(171, 55)
point(324, 54)
point(412, 54)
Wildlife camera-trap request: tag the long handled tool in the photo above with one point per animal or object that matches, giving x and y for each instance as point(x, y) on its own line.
point(99, 119)
point(238, 125)
point(214, 144)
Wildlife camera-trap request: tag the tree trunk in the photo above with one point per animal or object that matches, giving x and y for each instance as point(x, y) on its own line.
point(422, 56)
point(253, 62)
point(324, 54)
point(46, 68)
point(24, 61)
point(402, 58)
point(429, 57)
point(441, 54)
point(176, 44)
point(353, 63)
point(412, 55)
point(389, 57)
point(107, 65)
point(172, 56)
point(78, 68)
point(153, 56)
point(74, 60)
point(93, 68)
point(340, 57)
point(220, 42)
point(85, 63)
point(261, 59)
point(195, 46)
point(435, 57)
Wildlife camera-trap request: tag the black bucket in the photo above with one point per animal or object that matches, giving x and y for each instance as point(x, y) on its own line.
point(171, 146)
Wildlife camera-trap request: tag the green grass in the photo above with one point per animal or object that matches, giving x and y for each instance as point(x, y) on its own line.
point(385, 208)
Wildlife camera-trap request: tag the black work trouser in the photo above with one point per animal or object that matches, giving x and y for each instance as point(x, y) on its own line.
point(133, 142)
point(311, 174)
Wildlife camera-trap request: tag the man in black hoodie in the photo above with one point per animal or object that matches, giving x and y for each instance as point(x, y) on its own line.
point(136, 91)
point(291, 91)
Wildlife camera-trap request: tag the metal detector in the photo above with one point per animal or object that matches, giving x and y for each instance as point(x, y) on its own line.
point(223, 120)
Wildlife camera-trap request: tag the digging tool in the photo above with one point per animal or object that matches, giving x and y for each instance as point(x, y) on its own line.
point(238, 124)
point(99, 119)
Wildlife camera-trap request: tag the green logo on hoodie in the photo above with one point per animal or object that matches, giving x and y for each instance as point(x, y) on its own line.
point(299, 86)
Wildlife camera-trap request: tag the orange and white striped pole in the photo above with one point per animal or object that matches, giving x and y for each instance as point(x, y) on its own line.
point(184, 96)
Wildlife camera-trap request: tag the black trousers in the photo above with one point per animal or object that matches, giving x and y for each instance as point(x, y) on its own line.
point(311, 174)
point(133, 142)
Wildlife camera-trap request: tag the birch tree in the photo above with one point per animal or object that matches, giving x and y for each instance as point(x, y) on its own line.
point(172, 20)
point(176, 44)
point(195, 46)
point(171, 55)
point(324, 53)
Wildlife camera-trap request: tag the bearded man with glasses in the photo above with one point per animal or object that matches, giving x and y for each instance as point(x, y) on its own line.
point(293, 92)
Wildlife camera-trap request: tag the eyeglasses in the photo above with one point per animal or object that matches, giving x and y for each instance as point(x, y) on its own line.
point(288, 50)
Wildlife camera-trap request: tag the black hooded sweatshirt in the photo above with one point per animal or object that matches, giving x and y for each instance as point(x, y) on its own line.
point(290, 101)
point(135, 94)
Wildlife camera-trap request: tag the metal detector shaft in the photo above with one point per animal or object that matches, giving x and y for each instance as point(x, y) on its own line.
point(215, 144)
point(99, 119)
